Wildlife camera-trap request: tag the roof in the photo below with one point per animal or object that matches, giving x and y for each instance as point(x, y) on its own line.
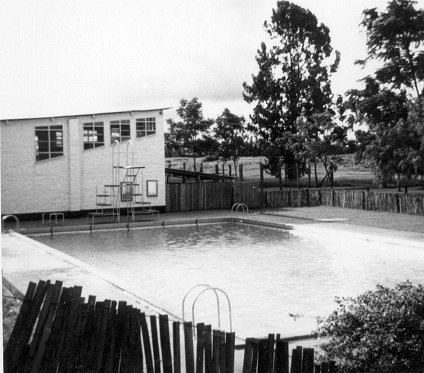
point(195, 175)
point(85, 115)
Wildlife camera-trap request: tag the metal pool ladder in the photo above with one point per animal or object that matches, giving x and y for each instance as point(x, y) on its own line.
point(206, 288)
point(3, 220)
point(240, 207)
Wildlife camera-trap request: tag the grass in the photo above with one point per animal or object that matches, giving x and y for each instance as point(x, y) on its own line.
point(349, 174)
point(11, 307)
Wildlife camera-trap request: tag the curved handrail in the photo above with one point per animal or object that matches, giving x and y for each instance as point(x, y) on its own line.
point(4, 218)
point(228, 300)
point(235, 208)
point(208, 287)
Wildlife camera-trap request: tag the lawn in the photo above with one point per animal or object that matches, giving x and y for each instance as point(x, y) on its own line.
point(349, 174)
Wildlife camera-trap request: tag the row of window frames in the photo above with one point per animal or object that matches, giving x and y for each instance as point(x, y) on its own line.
point(119, 131)
point(49, 139)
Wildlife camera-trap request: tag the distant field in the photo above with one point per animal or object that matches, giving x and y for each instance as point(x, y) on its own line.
point(348, 173)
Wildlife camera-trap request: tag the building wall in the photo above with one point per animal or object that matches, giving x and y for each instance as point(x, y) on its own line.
point(68, 183)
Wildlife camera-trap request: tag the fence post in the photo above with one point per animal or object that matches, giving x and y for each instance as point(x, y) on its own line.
point(165, 343)
point(200, 347)
point(223, 169)
point(297, 175)
point(155, 343)
point(261, 169)
point(176, 346)
point(229, 170)
point(216, 340)
point(247, 360)
point(286, 179)
point(309, 174)
point(229, 351)
point(184, 166)
point(188, 346)
point(281, 356)
point(297, 360)
point(217, 169)
point(241, 172)
point(280, 178)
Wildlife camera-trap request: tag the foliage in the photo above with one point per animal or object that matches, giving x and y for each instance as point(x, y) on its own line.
point(395, 37)
point(382, 110)
point(323, 139)
point(230, 134)
point(188, 134)
point(391, 142)
point(293, 80)
point(379, 331)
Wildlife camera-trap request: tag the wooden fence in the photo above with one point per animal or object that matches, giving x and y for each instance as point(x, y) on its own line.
point(57, 331)
point(198, 196)
point(210, 196)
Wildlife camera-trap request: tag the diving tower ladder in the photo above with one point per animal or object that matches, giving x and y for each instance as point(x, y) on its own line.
point(125, 190)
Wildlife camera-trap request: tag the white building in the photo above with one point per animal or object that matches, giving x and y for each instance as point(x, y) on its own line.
point(60, 164)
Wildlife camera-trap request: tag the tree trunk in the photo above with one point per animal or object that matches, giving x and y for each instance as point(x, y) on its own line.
point(291, 171)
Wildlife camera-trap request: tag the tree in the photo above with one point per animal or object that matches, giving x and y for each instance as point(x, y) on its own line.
point(323, 139)
point(395, 37)
point(379, 331)
point(230, 133)
point(293, 80)
point(381, 110)
point(392, 142)
point(187, 134)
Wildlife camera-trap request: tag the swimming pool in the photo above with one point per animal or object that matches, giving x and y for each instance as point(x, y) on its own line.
point(278, 281)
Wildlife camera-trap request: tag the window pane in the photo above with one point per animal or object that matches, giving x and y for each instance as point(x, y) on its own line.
point(42, 135)
point(56, 146)
point(125, 130)
point(43, 146)
point(93, 135)
point(48, 142)
point(42, 156)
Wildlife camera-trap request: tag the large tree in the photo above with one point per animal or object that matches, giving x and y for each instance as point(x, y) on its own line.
point(391, 142)
point(293, 80)
point(189, 133)
point(230, 133)
point(396, 38)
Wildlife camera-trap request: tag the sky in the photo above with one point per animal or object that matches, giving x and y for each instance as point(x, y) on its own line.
point(63, 57)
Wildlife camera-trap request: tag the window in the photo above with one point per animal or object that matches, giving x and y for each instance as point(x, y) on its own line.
point(48, 142)
point(93, 135)
point(152, 188)
point(120, 130)
point(145, 126)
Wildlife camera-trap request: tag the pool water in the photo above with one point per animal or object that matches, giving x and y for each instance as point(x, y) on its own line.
point(278, 281)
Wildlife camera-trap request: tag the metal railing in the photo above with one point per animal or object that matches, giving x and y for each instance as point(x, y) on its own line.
point(242, 207)
point(206, 288)
point(3, 221)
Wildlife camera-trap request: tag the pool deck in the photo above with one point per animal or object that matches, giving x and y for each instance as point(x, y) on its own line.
point(25, 260)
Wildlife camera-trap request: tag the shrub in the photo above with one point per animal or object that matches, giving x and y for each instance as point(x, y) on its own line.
point(379, 331)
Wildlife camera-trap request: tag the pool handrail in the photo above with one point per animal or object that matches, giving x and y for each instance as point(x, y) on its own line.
point(235, 208)
point(3, 220)
point(228, 300)
point(207, 287)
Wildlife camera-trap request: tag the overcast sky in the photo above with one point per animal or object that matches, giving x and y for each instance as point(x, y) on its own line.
point(78, 56)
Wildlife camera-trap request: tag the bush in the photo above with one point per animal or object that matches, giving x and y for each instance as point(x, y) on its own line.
point(379, 331)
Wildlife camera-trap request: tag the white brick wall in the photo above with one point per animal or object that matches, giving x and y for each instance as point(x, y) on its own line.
point(69, 183)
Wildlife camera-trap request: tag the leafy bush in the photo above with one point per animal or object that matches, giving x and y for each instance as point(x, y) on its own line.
point(379, 331)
